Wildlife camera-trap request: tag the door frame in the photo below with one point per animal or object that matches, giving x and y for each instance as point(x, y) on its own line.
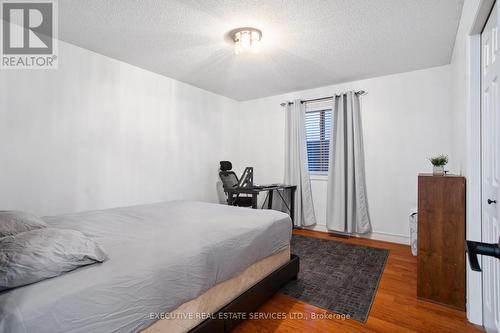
point(473, 142)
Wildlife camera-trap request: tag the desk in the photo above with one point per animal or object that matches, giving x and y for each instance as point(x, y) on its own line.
point(254, 191)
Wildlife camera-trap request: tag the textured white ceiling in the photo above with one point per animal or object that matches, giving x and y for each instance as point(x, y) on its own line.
point(306, 43)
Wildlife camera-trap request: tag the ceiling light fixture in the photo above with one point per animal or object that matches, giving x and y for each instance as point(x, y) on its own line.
point(246, 40)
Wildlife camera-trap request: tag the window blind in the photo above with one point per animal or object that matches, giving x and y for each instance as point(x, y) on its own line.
point(318, 128)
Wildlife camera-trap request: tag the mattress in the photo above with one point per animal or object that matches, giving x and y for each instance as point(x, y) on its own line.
point(192, 313)
point(161, 256)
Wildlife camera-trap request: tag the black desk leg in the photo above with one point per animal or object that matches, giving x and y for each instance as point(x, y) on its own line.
point(292, 206)
point(270, 200)
point(254, 201)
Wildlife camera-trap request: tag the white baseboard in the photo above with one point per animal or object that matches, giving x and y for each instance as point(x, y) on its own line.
point(393, 238)
point(382, 236)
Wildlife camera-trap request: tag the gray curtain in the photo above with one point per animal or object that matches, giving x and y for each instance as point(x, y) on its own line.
point(347, 206)
point(296, 169)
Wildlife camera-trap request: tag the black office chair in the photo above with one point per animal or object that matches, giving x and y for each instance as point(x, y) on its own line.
point(229, 180)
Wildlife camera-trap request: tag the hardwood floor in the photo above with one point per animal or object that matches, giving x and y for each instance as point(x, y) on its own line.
point(395, 308)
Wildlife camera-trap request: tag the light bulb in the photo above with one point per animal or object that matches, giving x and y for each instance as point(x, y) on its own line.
point(247, 40)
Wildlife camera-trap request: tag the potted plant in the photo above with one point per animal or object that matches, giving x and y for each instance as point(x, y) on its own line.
point(438, 163)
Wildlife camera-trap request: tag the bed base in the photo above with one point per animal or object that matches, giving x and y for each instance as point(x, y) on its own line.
point(227, 318)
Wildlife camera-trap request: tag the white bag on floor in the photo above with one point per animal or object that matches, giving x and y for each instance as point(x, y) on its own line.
point(413, 231)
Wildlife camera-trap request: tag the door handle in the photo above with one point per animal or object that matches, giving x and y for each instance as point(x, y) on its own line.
point(491, 201)
point(475, 248)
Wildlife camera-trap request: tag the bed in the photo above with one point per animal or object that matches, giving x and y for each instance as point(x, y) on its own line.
point(180, 257)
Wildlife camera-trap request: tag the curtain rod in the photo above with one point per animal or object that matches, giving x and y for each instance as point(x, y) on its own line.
point(360, 93)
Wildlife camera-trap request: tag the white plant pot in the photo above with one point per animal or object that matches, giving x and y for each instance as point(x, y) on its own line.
point(438, 170)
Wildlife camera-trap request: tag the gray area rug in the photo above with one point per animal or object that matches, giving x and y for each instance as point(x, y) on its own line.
point(337, 276)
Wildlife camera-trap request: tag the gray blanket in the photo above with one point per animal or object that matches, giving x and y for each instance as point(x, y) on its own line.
point(161, 255)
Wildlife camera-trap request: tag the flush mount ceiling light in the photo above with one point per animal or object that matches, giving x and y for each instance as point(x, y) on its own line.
point(246, 40)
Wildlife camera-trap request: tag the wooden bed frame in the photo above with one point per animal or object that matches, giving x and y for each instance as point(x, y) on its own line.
point(225, 320)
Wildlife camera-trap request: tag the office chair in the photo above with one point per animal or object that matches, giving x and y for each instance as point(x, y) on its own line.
point(229, 180)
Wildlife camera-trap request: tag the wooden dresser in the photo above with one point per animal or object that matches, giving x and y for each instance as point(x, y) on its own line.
point(441, 240)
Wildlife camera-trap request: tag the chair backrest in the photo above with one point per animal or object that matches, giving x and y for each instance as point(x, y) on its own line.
point(225, 165)
point(229, 179)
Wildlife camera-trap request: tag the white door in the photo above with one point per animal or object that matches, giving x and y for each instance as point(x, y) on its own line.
point(490, 126)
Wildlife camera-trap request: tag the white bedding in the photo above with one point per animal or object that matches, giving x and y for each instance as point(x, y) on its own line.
point(161, 256)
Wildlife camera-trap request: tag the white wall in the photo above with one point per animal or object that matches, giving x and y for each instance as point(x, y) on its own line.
point(104, 133)
point(98, 133)
point(460, 74)
point(406, 119)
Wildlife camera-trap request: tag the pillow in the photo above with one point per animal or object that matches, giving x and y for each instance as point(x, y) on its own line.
point(13, 222)
point(37, 255)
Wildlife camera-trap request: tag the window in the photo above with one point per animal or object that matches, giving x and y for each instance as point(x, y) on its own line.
point(318, 127)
